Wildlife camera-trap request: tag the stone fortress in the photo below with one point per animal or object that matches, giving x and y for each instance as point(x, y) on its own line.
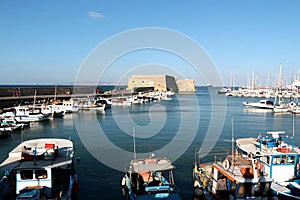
point(160, 83)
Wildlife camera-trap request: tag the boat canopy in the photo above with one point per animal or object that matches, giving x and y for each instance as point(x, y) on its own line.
point(40, 153)
point(151, 164)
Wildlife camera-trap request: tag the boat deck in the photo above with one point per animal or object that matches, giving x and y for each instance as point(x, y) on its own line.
point(40, 153)
point(14, 163)
point(254, 146)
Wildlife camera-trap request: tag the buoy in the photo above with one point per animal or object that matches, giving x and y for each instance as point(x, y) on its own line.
point(78, 158)
point(123, 181)
point(226, 164)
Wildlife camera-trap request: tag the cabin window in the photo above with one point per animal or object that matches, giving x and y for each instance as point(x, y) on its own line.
point(26, 174)
point(291, 160)
point(276, 160)
point(41, 174)
point(266, 160)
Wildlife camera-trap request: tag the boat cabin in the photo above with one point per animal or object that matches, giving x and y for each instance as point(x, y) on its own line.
point(275, 155)
point(150, 178)
point(43, 166)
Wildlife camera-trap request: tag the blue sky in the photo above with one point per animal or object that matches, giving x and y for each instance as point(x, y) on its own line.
point(46, 42)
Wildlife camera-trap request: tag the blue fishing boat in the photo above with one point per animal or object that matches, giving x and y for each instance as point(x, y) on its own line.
point(276, 157)
point(39, 169)
point(234, 177)
point(150, 178)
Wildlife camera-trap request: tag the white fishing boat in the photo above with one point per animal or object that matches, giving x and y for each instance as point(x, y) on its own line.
point(97, 105)
point(57, 109)
point(23, 115)
point(150, 178)
point(71, 106)
point(122, 101)
point(39, 169)
point(8, 122)
point(262, 104)
point(278, 158)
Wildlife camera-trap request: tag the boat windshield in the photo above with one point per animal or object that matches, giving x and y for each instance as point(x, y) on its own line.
point(283, 159)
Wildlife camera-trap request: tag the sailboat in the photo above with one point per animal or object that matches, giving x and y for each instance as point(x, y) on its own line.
point(279, 104)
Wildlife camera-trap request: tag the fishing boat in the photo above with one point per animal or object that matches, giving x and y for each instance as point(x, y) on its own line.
point(278, 158)
point(234, 177)
point(39, 169)
point(263, 104)
point(105, 102)
point(98, 105)
point(150, 178)
point(71, 106)
point(8, 123)
point(23, 114)
point(122, 101)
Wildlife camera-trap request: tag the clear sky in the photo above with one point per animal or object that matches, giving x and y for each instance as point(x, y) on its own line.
point(46, 42)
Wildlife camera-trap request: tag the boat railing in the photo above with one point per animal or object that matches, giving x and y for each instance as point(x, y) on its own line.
point(276, 143)
point(216, 154)
point(163, 188)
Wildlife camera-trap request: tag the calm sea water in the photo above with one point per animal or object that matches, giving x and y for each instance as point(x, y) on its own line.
point(157, 126)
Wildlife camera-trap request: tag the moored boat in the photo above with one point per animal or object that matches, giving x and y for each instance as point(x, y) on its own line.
point(275, 154)
point(24, 115)
point(263, 104)
point(224, 90)
point(122, 101)
point(98, 105)
point(236, 177)
point(39, 169)
point(150, 178)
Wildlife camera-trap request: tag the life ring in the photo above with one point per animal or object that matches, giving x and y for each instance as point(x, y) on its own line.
point(226, 164)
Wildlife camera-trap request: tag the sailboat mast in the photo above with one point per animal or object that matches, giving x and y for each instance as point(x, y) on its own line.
point(134, 150)
point(34, 99)
point(232, 139)
point(55, 90)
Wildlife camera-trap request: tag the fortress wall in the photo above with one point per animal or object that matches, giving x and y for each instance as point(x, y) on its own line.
point(186, 85)
point(160, 83)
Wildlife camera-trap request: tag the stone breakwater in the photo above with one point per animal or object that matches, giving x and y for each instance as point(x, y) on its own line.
point(21, 91)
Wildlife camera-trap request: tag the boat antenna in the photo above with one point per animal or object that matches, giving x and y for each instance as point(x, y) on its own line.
point(293, 132)
point(55, 91)
point(293, 125)
point(34, 98)
point(134, 150)
point(232, 140)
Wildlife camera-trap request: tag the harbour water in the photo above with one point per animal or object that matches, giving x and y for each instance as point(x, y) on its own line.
point(101, 180)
